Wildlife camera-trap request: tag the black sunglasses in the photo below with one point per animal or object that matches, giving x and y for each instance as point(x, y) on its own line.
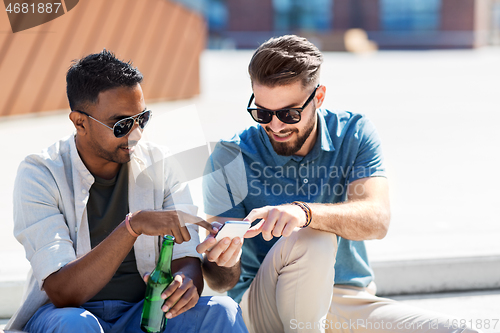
point(288, 116)
point(123, 126)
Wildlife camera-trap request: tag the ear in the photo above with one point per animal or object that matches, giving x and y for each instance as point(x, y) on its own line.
point(320, 96)
point(79, 120)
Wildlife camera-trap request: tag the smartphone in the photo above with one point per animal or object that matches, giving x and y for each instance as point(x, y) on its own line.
point(232, 229)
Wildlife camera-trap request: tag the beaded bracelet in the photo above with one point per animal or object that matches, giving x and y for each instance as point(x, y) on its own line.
point(306, 210)
point(129, 227)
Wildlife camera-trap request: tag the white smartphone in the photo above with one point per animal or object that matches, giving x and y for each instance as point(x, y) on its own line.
point(232, 229)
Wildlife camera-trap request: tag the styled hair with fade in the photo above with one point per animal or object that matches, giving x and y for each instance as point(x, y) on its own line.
point(95, 73)
point(285, 60)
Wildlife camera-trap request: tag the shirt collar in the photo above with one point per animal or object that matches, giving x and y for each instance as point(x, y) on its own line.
point(78, 164)
point(324, 143)
point(324, 133)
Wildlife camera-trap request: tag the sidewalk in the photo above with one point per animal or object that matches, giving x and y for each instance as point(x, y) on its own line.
point(437, 115)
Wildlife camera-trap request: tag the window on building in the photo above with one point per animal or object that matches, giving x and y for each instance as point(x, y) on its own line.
point(410, 15)
point(216, 14)
point(311, 15)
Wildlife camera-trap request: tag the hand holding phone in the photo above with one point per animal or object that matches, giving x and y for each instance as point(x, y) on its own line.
point(232, 229)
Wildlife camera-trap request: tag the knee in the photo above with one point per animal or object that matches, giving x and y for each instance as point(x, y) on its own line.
point(221, 314)
point(73, 320)
point(316, 242)
point(224, 307)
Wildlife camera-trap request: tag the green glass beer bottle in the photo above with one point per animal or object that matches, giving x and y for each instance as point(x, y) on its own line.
point(153, 318)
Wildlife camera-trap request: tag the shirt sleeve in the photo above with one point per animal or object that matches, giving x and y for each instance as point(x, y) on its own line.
point(369, 161)
point(39, 223)
point(225, 183)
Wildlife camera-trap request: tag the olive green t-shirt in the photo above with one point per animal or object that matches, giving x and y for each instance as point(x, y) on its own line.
point(106, 209)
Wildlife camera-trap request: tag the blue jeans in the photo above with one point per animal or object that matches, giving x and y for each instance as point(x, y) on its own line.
point(211, 314)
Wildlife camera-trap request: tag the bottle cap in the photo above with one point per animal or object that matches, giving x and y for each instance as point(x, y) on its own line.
point(169, 238)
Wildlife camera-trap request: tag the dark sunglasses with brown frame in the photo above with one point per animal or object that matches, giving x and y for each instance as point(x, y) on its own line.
point(288, 115)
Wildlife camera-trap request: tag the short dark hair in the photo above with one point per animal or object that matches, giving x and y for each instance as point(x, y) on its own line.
point(284, 60)
point(95, 73)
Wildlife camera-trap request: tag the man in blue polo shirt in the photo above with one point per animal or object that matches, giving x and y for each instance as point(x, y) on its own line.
point(313, 183)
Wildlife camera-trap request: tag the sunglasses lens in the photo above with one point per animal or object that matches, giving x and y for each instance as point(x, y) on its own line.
point(288, 116)
point(122, 127)
point(261, 116)
point(144, 118)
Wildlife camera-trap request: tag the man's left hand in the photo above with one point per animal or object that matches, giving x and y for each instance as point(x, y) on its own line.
point(181, 295)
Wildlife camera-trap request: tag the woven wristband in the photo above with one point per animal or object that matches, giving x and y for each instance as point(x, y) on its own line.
point(306, 210)
point(129, 227)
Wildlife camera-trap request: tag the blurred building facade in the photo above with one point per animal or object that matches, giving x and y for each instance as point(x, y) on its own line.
point(163, 38)
point(392, 24)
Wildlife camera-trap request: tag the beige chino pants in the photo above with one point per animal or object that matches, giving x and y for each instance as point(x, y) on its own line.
point(294, 291)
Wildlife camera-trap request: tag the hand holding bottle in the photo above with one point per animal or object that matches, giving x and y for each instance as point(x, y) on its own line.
point(181, 295)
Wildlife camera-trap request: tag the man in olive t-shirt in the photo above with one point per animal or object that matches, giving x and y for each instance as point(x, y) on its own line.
point(91, 209)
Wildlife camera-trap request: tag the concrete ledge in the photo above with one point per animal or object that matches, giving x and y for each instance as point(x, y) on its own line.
point(437, 275)
point(11, 294)
point(392, 278)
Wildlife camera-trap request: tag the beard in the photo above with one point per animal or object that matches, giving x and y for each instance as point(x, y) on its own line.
point(291, 147)
point(116, 156)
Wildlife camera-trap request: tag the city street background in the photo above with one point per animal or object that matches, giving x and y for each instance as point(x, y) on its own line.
point(437, 113)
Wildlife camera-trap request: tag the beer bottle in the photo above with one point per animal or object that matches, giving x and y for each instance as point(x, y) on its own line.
point(153, 318)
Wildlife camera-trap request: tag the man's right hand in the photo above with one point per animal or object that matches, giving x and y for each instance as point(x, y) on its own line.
point(163, 222)
point(225, 253)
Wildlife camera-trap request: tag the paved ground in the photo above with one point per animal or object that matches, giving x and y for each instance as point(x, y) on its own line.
point(436, 112)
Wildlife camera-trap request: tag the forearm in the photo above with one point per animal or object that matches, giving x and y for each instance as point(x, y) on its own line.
point(353, 220)
point(190, 267)
point(220, 278)
point(81, 279)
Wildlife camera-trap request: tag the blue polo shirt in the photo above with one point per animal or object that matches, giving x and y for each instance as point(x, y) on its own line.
point(245, 173)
